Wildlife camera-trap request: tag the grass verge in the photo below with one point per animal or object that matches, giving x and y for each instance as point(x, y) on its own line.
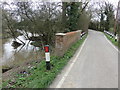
point(37, 76)
point(112, 40)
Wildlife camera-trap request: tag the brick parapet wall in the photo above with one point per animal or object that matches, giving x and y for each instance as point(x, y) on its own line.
point(65, 40)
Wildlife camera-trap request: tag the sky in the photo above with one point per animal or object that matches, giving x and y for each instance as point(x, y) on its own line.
point(114, 2)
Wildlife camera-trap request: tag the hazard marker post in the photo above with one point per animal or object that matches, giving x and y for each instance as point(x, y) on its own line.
point(47, 56)
point(116, 37)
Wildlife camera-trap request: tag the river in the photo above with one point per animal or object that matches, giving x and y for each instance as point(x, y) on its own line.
point(15, 56)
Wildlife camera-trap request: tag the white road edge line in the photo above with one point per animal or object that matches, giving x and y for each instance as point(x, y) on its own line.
point(111, 44)
point(70, 67)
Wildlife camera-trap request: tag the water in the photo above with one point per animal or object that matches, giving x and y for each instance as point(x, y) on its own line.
point(11, 56)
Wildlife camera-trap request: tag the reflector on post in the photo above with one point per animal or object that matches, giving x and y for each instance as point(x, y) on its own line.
point(46, 48)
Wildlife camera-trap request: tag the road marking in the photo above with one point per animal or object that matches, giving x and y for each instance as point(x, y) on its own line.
point(70, 67)
point(112, 44)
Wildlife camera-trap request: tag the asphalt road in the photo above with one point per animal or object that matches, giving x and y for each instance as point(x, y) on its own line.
point(95, 65)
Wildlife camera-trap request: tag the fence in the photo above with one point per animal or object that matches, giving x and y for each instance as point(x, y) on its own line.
point(112, 35)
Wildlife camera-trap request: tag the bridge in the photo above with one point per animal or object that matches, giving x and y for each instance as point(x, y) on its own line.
point(95, 65)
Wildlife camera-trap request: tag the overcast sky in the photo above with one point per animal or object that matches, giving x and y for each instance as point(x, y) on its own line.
point(114, 2)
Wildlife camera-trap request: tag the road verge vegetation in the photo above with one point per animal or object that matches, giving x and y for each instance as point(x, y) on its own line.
point(112, 40)
point(37, 76)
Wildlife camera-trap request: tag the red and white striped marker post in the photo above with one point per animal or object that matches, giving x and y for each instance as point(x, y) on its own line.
point(47, 56)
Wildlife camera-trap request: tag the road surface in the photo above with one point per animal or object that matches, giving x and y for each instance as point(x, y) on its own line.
point(95, 65)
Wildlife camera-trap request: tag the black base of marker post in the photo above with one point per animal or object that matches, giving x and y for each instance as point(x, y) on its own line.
point(47, 56)
point(115, 38)
point(48, 66)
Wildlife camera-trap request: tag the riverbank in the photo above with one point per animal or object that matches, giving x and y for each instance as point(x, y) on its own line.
point(36, 75)
point(13, 55)
point(18, 68)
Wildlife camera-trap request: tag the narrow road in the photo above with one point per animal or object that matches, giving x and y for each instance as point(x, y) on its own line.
point(95, 65)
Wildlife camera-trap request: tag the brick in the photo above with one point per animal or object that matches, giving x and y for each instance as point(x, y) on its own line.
point(65, 40)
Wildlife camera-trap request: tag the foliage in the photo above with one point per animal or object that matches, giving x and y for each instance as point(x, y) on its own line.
point(73, 15)
point(103, 17)
point(46, 19)
point(83, 21)
point(109, 12)
point(94, 25)
point(43, 20)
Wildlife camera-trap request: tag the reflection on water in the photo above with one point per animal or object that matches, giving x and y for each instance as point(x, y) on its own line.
point(22, 53)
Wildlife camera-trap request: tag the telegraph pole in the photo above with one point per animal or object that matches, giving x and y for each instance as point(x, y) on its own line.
point(116, 20)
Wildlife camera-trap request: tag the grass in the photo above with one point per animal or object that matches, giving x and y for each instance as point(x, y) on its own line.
point(112, 40)
point(36, 43)
point(37, 76)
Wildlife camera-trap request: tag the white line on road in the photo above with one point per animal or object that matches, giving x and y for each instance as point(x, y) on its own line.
point(70, 67)
point(112, 44)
